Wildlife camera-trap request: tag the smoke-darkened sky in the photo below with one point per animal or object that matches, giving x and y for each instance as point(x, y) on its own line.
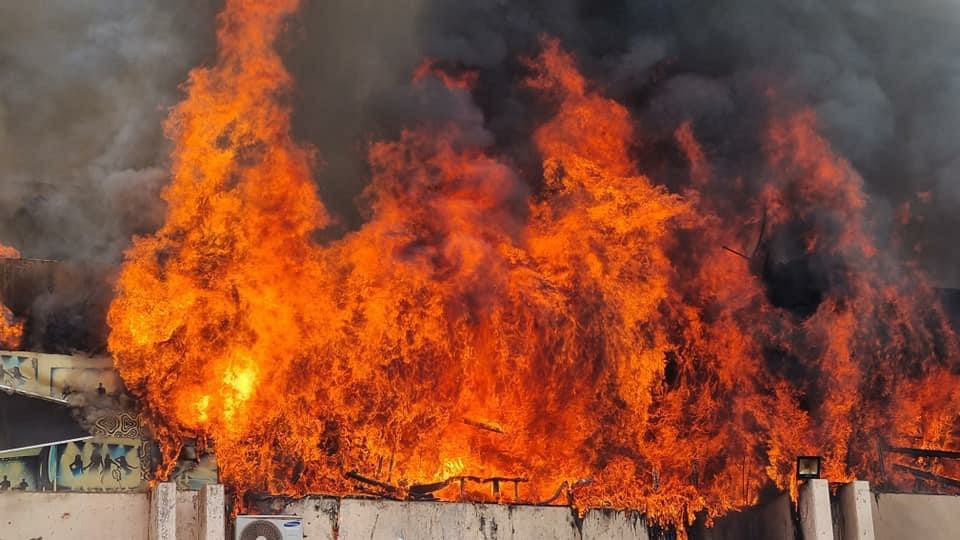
point(84, 88)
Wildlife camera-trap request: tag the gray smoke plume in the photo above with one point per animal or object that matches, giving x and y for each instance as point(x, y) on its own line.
point(83, 90)
point(84, 87)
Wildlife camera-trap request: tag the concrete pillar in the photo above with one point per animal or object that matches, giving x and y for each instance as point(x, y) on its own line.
point(816, 521)
point(163, 512)
point(212, 516)
point(856, 511)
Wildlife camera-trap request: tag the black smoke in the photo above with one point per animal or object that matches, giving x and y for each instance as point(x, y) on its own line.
point(882, 75)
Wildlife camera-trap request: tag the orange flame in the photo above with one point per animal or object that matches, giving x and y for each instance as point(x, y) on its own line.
point(599, 339)
point(462, 81)
point(11, 329)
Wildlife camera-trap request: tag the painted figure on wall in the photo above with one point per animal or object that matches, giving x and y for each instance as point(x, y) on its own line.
point(123, 465)
point(110, 464)
point(77, 466)
point(121, 455)
point(17, 371)
point(19, 473)
point(96, 459)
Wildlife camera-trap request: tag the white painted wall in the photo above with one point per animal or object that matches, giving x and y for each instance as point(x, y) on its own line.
point(319, 516)
point(388, 520)
point(898, 516)
point(855, 515)
point(816, 514)
point(80, 516)
point(73, 516)
point(601, 525)
point(771, 521)
point(349, 519)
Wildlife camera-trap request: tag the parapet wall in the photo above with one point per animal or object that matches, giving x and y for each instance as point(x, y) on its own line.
point(126, 516)
point(77, 516)
point(914, 516)
point(73, 516)
point(332, 519)
point(771, 521)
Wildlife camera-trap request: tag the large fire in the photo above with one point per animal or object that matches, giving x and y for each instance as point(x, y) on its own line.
point(597, 331)
point(11, 328)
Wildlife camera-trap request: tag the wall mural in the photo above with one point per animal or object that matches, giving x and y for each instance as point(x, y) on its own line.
point(98, 466)
point(119, 457)
point(192, 473)
point(18, 371)
point(19, 473)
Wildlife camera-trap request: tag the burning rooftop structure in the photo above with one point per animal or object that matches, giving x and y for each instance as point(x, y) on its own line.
point(594, 310)
point(590, 329)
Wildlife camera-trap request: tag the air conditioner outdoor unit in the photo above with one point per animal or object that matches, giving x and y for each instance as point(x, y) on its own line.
point(268, 528)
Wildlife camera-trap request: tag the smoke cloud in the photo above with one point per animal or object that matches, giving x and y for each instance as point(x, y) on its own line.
point(84, 87)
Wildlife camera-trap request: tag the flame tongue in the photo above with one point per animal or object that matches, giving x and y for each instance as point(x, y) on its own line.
point(600, 334)
point(209, 307)
point(11, 329)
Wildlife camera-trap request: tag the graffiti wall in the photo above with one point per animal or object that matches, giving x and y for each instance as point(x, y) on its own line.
point(75, 466)
point(20, 471)
point(119, 456)
point(58, 376)
point(116, 459)
point(19, 371)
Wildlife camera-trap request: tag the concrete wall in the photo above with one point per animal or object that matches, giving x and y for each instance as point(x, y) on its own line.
point(816, 520)
point(601, 524)
point(852, 512)
point(899, 516)
point(78, 516)
point(771, 521)
point(329, 519)
point(188, 511)
point(73, 516)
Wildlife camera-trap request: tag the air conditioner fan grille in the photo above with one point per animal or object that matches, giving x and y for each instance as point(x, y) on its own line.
point(261, 529)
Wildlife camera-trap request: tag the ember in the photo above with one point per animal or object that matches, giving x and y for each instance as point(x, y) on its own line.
point(599, 339)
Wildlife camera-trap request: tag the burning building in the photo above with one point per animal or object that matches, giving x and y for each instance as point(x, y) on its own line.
point(553, 296)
